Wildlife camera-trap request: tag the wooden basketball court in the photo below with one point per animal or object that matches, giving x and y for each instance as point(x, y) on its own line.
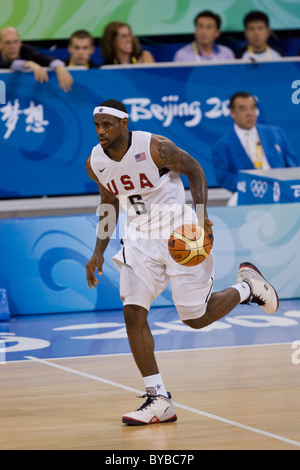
point(244, 397)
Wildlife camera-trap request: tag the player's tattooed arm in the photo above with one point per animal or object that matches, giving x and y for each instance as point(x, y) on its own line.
point(166, 154)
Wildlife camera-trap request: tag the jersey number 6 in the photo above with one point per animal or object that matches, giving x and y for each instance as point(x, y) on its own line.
point(138, 204)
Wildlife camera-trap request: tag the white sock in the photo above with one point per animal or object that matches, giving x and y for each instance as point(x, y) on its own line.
point(243, 289)
point(155, 381)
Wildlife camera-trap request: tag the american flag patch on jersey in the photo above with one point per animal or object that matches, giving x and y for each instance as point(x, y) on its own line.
point(140, 157)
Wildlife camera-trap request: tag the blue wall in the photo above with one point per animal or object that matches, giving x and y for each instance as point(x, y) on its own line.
point(42, 264)
point(47, 134)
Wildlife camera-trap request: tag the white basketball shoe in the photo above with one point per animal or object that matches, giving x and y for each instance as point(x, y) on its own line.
point(156, 409)
point(262, 292)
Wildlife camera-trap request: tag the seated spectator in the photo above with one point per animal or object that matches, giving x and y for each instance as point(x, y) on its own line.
point(249, 145)
point(81, 48)
point(120, 46)
point(257, 34)
point(204, 48)
point(18, 57)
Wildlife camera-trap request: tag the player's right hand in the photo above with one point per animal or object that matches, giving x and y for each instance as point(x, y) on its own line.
point(208, 229)
point(94, 263)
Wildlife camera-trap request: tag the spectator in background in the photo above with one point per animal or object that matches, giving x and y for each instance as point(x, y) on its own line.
point(81, 48)
point(204, 48)
point(120, 46)
point(18, 57)
point(249, 145)
point(257, 34)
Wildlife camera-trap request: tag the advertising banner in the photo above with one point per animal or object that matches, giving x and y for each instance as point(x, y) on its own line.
point(47, 134)
point(43, 260)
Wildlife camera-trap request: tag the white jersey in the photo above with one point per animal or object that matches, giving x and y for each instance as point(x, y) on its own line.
point(154, 200)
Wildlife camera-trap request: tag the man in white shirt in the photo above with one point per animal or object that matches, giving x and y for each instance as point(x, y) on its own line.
point(250, 140)
point(140, 170)
point(249, 145)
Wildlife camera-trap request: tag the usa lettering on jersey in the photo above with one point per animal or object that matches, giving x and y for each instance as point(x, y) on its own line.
point(125, 182)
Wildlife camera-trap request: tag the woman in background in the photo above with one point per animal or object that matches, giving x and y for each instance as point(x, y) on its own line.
point(120, 46)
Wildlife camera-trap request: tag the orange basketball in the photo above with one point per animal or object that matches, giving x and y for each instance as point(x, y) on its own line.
point(189, 245)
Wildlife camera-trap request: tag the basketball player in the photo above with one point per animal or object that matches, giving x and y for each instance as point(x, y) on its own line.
point(141, 171)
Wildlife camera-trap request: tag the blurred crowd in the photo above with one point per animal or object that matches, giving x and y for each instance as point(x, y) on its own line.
point(118, 45)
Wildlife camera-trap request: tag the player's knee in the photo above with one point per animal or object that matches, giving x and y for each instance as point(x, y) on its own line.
point(135, 316)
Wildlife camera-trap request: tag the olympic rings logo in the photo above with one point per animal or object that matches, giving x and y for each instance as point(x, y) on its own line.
point(258, 188)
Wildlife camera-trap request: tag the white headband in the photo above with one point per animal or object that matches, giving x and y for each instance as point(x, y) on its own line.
point(112, 111)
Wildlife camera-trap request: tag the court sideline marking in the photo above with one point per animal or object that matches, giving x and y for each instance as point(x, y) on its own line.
point(178, 405)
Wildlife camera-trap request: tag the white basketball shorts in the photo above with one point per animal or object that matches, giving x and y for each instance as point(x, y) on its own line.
point(146, 269)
